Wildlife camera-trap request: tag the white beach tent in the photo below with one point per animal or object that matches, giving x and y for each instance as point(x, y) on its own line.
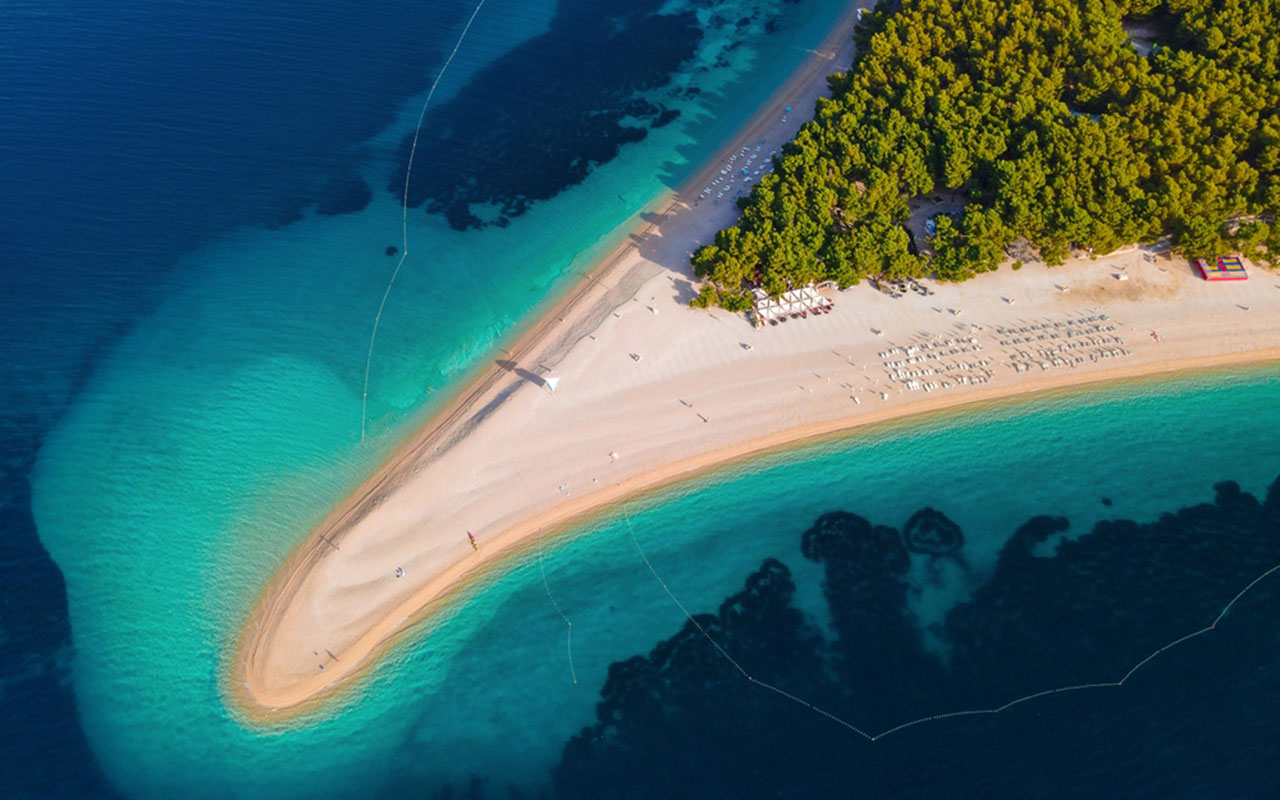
point(552, 383)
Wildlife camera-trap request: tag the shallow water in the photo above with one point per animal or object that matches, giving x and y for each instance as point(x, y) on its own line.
point(1148, 447)
point(189, 355)
point(209, 310)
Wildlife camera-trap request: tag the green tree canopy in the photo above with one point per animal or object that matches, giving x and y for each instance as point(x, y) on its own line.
point(1045, 119)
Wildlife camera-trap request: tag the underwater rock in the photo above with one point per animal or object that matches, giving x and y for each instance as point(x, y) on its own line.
point(843, 537)
point(685, 722)
point(471, 153)
point(289, 212)
point(345, 195)
point(665, 708)
point(665, 118)
point(932, 533)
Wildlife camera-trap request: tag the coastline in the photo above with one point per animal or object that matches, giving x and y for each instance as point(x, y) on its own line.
point(834, 54)
point(610, 402)
point(514, 542)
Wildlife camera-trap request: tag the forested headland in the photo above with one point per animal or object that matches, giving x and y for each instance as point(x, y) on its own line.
point(1058, 128)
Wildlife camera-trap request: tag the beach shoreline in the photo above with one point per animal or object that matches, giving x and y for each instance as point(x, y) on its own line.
point(648, 402)
point(833, 55)
point(514, 543)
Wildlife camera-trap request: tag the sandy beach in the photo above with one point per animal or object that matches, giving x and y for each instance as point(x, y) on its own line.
point(650, 391)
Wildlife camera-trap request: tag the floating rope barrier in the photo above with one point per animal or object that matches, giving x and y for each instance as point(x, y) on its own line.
point(569, 636)
point(934, 717)
point(404, 216)
point(542, 570)
point(723, 652)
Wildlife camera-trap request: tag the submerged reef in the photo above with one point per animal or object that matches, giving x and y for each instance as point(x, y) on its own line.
point(344, 195)
point(475, 152)
point(481, 163)
point(684, 721)
point(931, 532)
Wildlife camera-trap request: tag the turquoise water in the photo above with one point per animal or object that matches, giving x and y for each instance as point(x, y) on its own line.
point(224, 424)
point(490, 690)
point(203, 439)
point(1150, 447)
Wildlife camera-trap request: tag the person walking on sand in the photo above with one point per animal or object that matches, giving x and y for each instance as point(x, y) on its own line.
point(474, 546)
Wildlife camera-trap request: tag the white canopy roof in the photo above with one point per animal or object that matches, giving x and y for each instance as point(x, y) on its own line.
point(790, 302)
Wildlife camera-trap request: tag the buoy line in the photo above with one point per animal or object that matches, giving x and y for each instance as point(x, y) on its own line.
point(947, 715)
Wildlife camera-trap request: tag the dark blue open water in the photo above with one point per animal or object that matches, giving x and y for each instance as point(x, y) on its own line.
point(133, 133)
point(136, 137)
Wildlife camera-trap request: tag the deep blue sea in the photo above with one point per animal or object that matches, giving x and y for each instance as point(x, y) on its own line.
point(201, 211)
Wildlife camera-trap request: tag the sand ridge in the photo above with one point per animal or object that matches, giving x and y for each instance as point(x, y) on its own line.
point(652, 391)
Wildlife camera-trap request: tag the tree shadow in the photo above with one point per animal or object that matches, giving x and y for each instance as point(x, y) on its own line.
point(684, 290)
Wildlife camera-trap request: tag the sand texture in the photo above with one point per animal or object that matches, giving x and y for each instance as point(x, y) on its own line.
point(652, 391)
